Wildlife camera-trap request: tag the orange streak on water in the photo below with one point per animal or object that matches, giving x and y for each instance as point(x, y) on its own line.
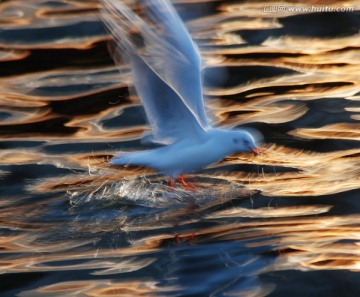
point(304, 235)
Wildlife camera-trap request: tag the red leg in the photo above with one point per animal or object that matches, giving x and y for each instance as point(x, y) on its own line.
point(186, 185)
point(170, 183)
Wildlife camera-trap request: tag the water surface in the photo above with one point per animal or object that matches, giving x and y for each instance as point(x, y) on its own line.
point(283, 223)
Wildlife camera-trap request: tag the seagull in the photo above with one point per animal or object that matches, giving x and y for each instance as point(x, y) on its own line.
point(166, 68)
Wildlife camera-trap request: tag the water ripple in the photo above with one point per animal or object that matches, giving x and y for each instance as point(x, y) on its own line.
point(72, 226)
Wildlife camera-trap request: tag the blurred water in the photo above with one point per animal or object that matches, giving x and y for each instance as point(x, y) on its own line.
point(284, 223)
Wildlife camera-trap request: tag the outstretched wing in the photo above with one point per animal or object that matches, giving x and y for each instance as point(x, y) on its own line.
point(165, 63)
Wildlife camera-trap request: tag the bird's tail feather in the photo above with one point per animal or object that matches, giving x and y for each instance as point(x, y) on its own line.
point(128, 159)
point(120, 159)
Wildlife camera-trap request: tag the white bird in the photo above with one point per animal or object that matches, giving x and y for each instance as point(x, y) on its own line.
point(166, 69)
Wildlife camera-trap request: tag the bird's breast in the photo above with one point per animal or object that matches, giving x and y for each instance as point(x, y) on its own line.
point(189, 157)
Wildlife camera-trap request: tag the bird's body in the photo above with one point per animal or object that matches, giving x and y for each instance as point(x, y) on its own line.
point(189, 154)
point(166, 68)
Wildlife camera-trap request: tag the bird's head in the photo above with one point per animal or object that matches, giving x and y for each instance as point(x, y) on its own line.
point(245, 141)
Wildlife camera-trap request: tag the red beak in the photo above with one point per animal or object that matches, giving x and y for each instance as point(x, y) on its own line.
point(256, 151)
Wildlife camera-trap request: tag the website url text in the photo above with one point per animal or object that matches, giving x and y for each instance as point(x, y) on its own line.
point(304, 9)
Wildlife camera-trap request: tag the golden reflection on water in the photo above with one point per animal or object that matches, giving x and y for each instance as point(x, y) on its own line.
point(101, 288)
point(311, 94)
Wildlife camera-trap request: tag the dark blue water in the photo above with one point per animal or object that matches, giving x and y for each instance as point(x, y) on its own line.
point(283, 223)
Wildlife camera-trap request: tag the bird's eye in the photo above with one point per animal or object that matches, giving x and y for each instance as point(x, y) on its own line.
point(235, 140)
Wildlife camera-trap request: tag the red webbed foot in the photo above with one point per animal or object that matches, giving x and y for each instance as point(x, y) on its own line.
point(187, 184)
